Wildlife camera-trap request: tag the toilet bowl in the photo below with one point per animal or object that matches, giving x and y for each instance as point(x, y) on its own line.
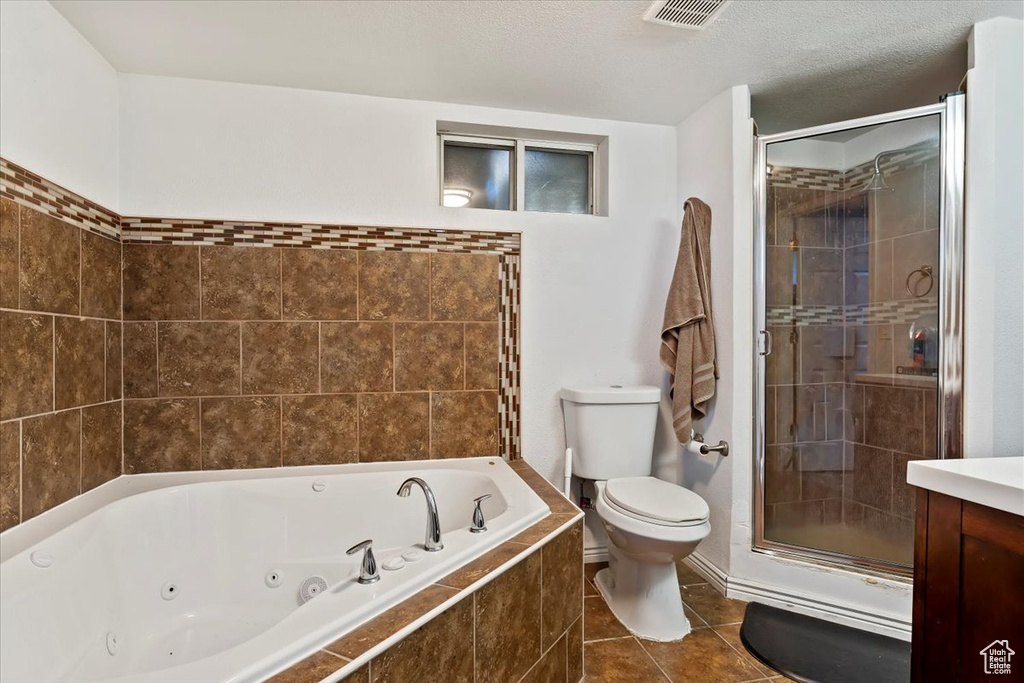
point(650, 523)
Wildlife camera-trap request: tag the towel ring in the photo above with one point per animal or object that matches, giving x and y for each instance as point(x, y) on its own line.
point(926, 273)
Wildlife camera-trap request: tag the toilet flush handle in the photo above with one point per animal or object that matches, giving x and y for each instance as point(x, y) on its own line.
point(479, 523)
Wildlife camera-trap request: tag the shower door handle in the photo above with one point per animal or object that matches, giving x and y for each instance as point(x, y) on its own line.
point(767, 350)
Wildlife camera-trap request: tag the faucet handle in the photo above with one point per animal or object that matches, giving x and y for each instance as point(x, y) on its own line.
point(479, 523)
point(368, 567)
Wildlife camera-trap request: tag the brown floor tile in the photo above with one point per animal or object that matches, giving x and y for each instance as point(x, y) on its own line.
point(319, 430)
point(241, 432)
point(10, 474)
point(444, 642)
point(508, 620)
point(161, 282)
point(315, 667)
point(280, 358)
point(589, 589)
point(599, 622)
point(731, 635)
point(463, 424)
point(26, 364)
point(241, 283)
point(711, 606)
point(590, 569)
point(319, 284)
point(51, 461)
point(161, 435)
point(687, 576)
point(101, 276)
point(78, 362)
point(394, 286)
point(464, 287)
point(701, 656)
point(50, 268)
point(620, 661)
point(101, 444)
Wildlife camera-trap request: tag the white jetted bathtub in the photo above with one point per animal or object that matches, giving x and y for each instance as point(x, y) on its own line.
point(197, 576)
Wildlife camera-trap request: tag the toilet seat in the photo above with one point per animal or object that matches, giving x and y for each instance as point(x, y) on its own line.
point(655, 501)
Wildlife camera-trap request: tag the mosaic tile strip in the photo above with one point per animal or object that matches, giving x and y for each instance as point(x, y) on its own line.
point(324, 236)
point(509, 363)
point(804, 315)
point(915, 155)
point(875, 313)
point(891, 312)
point(36, 192)
point(806, 178)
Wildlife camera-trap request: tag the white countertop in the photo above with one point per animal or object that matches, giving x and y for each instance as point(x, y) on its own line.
point(995, 482)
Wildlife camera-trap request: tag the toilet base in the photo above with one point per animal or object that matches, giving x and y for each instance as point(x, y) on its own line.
point(644, 596)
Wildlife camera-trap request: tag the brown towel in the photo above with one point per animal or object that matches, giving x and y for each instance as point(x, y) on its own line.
point(688, 333)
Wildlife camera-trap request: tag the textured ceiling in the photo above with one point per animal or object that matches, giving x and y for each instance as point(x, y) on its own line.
point(806, 62)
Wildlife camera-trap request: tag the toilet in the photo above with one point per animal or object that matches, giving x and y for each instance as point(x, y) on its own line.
point(650, 523)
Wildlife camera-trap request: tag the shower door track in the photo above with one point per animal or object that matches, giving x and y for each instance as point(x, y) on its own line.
point(951, 111)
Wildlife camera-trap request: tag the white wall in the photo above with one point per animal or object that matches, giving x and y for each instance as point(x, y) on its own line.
point(58, 103)
point(593, 287)
point(994, 234)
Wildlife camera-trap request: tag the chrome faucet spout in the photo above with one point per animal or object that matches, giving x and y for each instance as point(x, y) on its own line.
point(432, 543)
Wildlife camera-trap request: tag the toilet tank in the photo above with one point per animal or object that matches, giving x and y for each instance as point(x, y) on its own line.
point(610, 430)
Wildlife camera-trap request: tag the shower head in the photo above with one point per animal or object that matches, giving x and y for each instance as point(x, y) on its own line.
point(877, 183)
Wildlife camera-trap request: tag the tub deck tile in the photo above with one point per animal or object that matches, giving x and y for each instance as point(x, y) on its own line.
point(317, 666)
point(467, 575)
point(542, 529)
point(383, 626)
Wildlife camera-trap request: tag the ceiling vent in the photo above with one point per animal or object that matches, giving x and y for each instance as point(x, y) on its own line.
point(692, 14)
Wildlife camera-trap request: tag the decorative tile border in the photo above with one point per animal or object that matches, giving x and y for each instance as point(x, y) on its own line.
point(508, 364)
point(27, 188)
point(838, 181)
point(137, 230)
point(876, 313)
point(806, 178)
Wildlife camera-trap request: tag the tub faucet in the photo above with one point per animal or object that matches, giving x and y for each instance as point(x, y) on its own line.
point(432, 543)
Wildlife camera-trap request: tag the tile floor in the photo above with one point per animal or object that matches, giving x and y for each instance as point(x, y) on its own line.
point(712, 653)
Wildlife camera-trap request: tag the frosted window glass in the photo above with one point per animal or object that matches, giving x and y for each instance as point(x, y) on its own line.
point(558, 182)
point(484, 171)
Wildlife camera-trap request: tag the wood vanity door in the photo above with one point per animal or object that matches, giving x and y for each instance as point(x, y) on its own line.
point(968, 589)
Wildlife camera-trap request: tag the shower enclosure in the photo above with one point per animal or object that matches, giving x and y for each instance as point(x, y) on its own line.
point(858, 292)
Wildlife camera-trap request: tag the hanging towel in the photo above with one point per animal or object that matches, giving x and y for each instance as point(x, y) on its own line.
point(688, 332)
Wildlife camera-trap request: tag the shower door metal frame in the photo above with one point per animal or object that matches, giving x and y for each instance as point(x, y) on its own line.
point(951, 112)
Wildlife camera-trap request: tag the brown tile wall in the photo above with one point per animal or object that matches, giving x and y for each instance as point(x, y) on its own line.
point(255, 357)
point(525, 625)
point(60, 359)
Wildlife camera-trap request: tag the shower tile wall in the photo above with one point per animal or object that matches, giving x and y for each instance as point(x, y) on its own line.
point(841, 423)
point(60, 364)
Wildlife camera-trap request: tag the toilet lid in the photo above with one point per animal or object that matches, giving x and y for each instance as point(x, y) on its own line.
point(657, 500)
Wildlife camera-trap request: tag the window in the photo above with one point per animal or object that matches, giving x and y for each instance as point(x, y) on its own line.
point(517, 174)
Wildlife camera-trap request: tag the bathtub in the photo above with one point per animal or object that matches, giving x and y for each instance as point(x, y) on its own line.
point(196, 576)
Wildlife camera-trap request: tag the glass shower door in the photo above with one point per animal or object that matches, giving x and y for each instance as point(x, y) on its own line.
point(861, 337)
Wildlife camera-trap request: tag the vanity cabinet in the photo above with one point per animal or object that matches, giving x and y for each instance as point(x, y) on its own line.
point(968, 591)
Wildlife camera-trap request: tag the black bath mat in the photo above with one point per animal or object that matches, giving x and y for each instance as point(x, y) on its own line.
point(817, 651)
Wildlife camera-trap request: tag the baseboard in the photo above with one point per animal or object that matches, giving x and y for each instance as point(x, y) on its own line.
point(746, 589)
point(814, 606)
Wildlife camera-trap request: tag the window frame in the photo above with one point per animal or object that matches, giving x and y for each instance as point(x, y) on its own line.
point(517, 187)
